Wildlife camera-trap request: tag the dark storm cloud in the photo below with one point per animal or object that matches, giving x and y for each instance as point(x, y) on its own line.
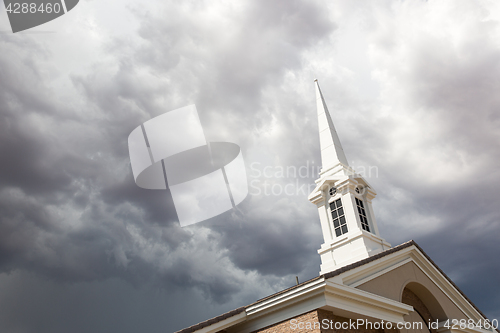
point(254, 54)
point(262, 242)
point(440, 99)
point(26, 158)
point(70, 210)
point(31, 303)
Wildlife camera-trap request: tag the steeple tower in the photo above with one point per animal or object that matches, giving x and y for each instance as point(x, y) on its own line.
point(344, 201)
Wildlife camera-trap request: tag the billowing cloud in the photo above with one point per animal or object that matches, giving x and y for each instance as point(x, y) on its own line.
point(74, 225)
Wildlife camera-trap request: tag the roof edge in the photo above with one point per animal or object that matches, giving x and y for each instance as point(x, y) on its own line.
point(212, 321)
point(329, 275)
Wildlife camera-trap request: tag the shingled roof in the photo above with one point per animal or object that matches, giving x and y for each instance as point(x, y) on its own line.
point(328, 275)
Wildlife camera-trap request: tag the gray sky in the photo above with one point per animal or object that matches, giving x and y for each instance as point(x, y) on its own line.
point(413, 91)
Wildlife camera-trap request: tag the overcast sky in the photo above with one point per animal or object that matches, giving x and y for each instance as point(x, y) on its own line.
point(413, 89)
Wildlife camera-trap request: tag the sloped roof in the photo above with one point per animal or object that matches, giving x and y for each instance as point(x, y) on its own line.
point(328, 275)
point(212, 321)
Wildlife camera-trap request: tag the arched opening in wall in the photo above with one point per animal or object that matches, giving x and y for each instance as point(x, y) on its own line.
point(427, 309)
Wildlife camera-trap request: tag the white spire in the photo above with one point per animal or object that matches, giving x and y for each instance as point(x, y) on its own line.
point(331, 149)
point(344, 202)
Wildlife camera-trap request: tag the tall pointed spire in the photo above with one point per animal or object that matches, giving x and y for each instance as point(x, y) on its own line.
point(344, 202)
point(331, 149)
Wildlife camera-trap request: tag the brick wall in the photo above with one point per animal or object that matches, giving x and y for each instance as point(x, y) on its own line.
point(323, 314)
point(311, 323)
point(308, 320)
point(411, 299)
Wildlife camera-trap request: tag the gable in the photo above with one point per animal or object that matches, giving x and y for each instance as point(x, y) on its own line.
point(407, 266)
point(393, 283)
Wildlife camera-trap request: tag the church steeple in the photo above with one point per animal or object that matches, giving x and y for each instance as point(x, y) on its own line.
point(331, 149)
point(344, 201)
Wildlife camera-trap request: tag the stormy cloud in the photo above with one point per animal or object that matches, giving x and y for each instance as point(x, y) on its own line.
point(82, 248)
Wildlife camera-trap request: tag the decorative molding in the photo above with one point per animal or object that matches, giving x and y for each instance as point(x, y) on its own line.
point(364, 303)
point(287, 297)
